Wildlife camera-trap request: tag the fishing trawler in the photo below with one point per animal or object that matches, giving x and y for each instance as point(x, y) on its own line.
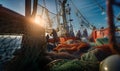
point(46, 41)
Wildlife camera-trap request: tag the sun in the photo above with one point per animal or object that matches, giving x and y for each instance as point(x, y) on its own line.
point(40, 21)
point(37, 20)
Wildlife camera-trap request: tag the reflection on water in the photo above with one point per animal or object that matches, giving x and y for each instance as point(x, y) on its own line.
point(8, 45)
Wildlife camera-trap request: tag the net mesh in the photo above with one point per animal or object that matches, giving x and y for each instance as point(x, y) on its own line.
point(8, 45)
point(31, 40)
point(31, 43)
point(49, 17)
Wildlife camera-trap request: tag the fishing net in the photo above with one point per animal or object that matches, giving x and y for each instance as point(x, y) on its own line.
point(87, 62)
point(74, 65)
point(30, 45)
point(49, 17)
point(8, 45)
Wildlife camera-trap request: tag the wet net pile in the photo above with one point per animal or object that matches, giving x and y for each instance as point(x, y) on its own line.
point(71, 65)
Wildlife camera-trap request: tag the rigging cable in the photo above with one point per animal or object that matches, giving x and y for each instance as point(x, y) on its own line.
point(103, 10)
point(34, 8)
point(58, 20)
point(47, 14)
point(46, 8)
point(83, 19)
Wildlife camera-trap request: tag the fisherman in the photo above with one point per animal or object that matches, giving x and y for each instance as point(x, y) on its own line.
point(78, 35)
point(55, 36)
point(102, 28)
point(85, 33)
point(72, 33)
point(102, 31)
point(47, 38)
point(91, 37)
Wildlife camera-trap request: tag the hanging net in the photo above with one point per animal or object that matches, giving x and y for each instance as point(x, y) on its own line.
point(8, 45)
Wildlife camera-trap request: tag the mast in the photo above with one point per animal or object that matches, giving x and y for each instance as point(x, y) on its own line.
point(63, 27)
point(111, 26)
point(64, 13)
point(27, 8)
point(34, 8)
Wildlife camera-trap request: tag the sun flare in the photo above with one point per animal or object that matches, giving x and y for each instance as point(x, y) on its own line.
point(37, 20)
point(40, 21)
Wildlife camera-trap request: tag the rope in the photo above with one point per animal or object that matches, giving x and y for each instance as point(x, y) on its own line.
point(86, 22)
point(58, 20)
point(47, 9)
point(103, 9)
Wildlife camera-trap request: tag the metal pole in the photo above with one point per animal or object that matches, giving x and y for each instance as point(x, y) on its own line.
point(27, 8)
point(111, 27)
point(34, 8)
point(63, 13)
